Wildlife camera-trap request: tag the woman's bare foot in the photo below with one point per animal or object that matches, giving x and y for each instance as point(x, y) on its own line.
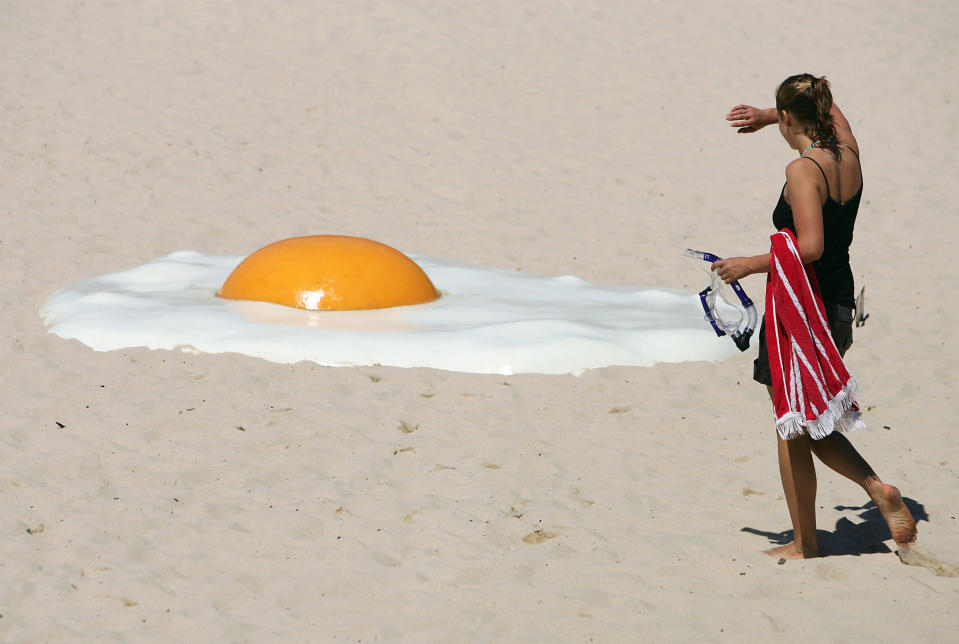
point(897, 516)
point(789, 551)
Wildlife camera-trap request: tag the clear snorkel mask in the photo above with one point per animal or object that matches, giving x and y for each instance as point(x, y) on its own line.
point(740, 329)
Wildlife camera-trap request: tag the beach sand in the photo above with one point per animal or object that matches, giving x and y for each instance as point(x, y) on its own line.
point(164, 496)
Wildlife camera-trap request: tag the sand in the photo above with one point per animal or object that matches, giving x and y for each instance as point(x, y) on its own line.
point(162, 496)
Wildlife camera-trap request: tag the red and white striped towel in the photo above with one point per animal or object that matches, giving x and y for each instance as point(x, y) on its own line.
point(813, 392)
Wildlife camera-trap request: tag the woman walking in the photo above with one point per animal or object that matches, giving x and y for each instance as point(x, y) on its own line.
point(818, 205)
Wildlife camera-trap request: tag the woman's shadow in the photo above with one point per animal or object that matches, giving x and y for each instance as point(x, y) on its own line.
point(849, 538)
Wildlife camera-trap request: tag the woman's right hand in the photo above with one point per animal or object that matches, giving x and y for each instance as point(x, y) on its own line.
point(732, 268)
point(750, 119)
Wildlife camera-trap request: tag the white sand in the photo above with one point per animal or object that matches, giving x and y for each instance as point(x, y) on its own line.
point(226, 498)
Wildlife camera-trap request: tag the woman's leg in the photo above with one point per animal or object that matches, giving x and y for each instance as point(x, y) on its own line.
point(837, 453)
point(798, 475)
point(799, 485)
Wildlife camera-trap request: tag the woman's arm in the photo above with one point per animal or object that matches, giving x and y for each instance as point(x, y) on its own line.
point(736, 268)
point(843, 129)
point(751, 119)
point(807, 193)
point(806, 197)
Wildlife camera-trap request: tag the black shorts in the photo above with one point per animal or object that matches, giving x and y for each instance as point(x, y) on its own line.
point(840, 327)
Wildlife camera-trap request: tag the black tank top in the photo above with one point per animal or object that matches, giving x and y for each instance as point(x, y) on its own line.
point(838, 219)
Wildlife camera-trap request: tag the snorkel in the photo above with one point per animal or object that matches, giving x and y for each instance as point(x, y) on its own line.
point(734, 328)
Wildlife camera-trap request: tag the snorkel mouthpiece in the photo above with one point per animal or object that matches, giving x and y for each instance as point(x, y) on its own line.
point(739, 333)
point(742, 339)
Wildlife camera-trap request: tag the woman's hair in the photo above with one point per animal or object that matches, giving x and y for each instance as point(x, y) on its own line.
point(808, 100)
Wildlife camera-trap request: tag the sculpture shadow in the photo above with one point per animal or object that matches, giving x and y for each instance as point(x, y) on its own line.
point(849, 537)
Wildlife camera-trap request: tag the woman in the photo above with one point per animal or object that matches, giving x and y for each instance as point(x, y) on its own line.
point(818, 204)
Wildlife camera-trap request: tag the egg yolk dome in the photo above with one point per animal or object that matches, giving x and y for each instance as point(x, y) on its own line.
point(329, 273)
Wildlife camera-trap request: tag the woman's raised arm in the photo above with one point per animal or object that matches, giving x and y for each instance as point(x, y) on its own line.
point(843, 129)
point(751, 119)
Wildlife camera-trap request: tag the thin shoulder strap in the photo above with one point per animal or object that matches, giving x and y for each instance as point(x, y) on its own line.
point(855, 154)
point(823, 173)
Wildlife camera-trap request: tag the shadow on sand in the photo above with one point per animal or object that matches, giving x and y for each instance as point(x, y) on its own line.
point(850, 538)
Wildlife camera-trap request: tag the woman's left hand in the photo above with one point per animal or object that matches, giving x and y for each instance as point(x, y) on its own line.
point(732, 268)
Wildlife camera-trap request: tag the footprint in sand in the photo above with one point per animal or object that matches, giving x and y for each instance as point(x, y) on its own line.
point(538, 536)
point(918, 555)
point(830, 573)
